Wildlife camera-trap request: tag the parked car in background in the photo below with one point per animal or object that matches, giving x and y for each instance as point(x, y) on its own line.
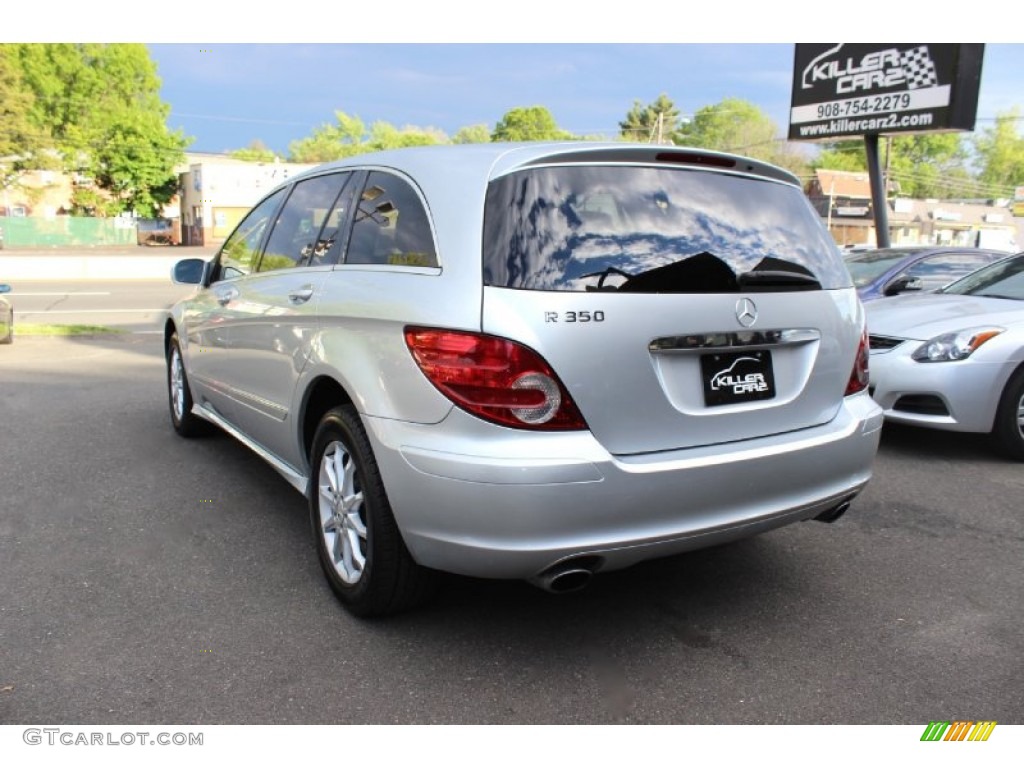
point(531, 361)
point(892, 271)
point(6, 316)
point(954, 359)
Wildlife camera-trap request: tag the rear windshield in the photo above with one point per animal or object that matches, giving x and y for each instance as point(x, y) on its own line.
point(654, 230)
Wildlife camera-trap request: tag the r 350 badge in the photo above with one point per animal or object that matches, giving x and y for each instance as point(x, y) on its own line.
point(583, 316)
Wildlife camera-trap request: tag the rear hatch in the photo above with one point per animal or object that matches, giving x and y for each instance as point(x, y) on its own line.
point(681, 306)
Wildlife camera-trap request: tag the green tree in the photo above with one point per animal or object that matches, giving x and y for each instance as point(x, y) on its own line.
point(349, 136)
point(16, 132)
point(842, 156)
point(922, 165)
point(17, 139)
point(528, 124)
point(1000, 151)
point(732, 125)
point(384, 135)
point(929, 165)
point(738, 126)
point(472, 134)
point(654, 123)
point(256, 152)
point(98, 108)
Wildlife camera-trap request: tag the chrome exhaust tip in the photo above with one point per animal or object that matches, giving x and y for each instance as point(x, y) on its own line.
point(831, 515)
point(568, 576)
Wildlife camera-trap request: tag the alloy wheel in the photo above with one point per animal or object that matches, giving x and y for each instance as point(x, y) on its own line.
point(342, 523)
point(177, 384)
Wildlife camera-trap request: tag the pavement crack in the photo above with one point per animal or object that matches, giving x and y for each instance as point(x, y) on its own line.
point(56, 303)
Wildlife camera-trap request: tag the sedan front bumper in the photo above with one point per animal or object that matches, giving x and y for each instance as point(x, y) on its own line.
point(959, 396)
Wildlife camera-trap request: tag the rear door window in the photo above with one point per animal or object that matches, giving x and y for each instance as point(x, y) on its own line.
point(391, 225)
point(654, 230)
point(295, 239)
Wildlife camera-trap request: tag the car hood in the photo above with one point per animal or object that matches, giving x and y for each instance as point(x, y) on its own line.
point(924, 316)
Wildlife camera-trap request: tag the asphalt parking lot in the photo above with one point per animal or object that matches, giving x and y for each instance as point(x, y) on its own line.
point(149, 579)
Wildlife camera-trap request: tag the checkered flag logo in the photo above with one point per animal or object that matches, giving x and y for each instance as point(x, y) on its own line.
point(918, 68)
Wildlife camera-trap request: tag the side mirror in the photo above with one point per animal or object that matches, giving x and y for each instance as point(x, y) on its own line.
point(904, 285)
point(189, 272)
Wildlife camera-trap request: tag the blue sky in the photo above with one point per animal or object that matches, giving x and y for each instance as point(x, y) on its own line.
point(227, 94)
point(232, 75)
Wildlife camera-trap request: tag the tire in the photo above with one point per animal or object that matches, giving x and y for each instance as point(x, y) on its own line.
point(358, 542)
point(1009, 426)
point(179, 395)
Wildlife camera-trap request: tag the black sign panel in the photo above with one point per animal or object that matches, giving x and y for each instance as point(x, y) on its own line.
point(737, 377)
point(856, 89)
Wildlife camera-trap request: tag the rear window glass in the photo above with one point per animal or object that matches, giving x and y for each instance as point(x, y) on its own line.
point(654, 230)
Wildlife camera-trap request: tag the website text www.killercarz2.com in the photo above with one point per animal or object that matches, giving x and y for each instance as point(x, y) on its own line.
point(859, 125)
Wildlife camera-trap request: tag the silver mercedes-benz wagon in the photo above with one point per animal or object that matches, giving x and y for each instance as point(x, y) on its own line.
point(534, 361)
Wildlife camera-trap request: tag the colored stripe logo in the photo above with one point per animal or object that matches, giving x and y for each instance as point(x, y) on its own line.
point(958, 730)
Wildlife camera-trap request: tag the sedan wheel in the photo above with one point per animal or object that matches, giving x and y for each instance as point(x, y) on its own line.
point(1009, 426)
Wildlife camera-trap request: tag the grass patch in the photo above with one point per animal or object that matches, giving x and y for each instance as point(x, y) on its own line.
point(37, 329)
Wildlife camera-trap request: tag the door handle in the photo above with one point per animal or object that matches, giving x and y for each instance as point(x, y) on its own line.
point(225, 295)
point(302, 295)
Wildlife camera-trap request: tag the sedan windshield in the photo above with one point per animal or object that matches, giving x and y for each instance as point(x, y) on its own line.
point(1002, 280)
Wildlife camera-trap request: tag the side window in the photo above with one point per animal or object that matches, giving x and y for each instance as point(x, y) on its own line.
point(238, 256)
point(328, 246)
point(294, 239)
point(937, 271)
point(391, 226)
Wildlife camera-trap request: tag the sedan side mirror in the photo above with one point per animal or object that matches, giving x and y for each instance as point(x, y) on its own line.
point(904, 285)
point(189, 272)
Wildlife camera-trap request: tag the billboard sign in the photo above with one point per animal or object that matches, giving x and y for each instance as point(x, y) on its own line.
point(857, 89)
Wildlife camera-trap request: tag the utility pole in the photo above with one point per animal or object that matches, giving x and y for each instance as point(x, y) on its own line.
point(656, 130)
point(831, 202)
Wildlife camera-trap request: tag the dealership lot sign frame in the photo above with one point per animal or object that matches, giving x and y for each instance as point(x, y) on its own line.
point(865, 89)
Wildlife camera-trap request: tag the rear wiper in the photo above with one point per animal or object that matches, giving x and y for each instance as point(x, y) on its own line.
point(778, 278)
point(604, 274)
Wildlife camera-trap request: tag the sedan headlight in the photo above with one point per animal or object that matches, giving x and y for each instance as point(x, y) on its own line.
point(954, 346)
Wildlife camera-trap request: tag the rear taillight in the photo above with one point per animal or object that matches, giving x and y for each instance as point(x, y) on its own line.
point(859, 375)
point(493, 378)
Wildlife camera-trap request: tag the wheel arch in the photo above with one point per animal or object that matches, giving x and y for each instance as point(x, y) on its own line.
point(1016, 371)
point(169, 330)
point(323, 394)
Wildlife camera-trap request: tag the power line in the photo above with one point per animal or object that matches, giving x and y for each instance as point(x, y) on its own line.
point(228, 118)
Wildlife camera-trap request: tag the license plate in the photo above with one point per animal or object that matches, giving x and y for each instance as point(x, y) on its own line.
point(737, 377)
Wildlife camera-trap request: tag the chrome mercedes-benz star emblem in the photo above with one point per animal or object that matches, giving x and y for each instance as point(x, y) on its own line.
point(746, 312)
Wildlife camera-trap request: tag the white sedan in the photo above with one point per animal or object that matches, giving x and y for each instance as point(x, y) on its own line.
point(954, 359)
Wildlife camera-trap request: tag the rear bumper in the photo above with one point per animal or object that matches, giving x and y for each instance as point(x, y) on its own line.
point(481, 500)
